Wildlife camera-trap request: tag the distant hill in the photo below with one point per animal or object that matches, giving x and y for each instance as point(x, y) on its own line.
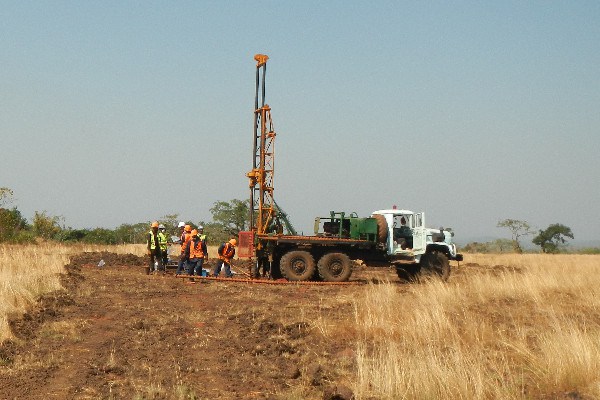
point(584, 243)
point(460, 241)
point(526, 243)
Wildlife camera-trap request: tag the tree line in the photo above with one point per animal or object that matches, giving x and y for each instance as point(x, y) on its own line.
point(551, 240)
point(228, 218)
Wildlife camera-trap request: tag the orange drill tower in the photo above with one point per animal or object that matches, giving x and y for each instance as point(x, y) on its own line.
point(262, 203)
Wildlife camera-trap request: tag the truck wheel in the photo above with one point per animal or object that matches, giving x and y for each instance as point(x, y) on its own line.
point(408, 273)
point(382, 228)
point(335, 267)
point(435, 264)
point(297, 265)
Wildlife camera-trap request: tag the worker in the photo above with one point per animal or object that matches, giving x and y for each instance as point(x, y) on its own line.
point(202, 237)
point(195, 252)
point(403, 234)
point(153, 245)
point(226, 252)
point(184, 239)
point(201, 233)
point(163, 242)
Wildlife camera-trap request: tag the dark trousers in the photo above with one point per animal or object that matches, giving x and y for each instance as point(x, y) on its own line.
point(220, 264)
point(194, 266)
point(180, 266)
point(165, 257)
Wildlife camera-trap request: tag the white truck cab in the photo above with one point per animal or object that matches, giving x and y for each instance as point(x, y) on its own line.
point(408, 237)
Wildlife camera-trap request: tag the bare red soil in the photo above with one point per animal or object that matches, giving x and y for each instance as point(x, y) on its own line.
point(115, 332)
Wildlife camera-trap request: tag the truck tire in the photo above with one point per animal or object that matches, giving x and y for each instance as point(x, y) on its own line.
point(335, 267)
point(297, 265)
point(382, 228)
point(408, 273)
point(435, 264)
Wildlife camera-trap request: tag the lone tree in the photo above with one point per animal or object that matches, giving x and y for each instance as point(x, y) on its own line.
point(517, 229)
point(228, 219)
point(551, 239)
point(232, 215)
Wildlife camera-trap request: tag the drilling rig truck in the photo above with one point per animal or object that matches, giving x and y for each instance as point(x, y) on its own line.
point(389, 237)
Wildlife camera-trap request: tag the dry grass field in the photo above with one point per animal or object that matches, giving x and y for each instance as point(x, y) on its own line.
point(503, 327)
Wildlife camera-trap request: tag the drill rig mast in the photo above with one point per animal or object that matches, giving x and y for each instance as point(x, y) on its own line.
point(267, 219)
point(262, 203)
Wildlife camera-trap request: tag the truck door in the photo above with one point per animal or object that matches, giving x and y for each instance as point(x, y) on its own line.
point(419, 234)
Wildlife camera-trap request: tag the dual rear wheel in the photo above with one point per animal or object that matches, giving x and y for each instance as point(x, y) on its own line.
point(299, 265)
point(335, 267)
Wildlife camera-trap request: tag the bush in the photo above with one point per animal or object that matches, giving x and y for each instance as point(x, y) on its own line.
point(23, 237)
point(11, 224)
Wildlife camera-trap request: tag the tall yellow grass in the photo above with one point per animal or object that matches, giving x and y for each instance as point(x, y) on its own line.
point(489, 333)
point(25, 273)
point(28, 271)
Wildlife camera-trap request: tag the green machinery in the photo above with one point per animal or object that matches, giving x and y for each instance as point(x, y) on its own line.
point(338, 225)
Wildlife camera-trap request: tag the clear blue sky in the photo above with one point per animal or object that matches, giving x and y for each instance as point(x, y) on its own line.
point(118, 112)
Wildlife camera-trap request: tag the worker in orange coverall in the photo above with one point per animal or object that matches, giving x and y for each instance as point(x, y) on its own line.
point(226, 252)
point(184, 239)
point(195, 253)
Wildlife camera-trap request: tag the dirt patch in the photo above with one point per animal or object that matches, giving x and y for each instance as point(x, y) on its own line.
point(116, 332)
point(495, 270)
point(110, 259)
point(8, 350)
point(46, 308)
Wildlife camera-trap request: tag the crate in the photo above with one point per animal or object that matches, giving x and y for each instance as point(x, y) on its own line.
point(246, 244)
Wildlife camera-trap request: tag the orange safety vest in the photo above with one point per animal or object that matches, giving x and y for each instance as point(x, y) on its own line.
point(185, 238)
point(196, 249)
point(227, 253)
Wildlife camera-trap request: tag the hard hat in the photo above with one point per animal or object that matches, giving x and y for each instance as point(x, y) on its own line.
point(200, 227)
point(194, 232)
point(154, 224)
point(188, 228)
point(181, 224)
point(233, 242)
point(161, 226)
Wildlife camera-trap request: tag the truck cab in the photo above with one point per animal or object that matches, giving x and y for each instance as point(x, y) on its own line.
point(407, 236)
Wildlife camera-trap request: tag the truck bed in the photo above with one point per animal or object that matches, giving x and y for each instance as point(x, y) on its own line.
point(318, 240)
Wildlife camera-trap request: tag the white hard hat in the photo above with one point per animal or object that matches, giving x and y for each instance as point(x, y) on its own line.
point(181, 224)
point(161, 226)
point(200, 227)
